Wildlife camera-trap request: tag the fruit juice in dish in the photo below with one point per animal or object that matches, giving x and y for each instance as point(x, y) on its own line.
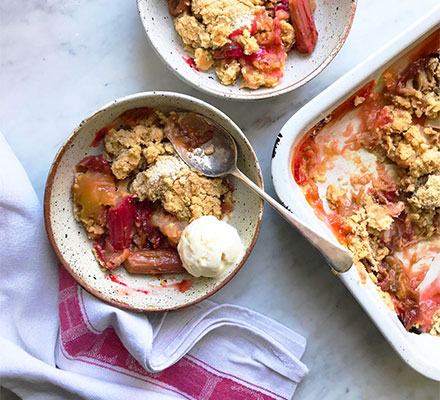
point(371, 171)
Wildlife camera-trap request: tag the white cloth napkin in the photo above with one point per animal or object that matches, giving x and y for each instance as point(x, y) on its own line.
point(59, 342)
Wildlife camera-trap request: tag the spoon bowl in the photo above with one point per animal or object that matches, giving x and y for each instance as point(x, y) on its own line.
point(214, 158)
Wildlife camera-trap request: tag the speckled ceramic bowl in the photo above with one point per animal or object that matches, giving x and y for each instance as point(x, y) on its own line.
point(74, 249)
point(333, 21)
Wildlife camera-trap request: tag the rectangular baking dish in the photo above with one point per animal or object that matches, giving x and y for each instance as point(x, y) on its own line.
point(421, 352)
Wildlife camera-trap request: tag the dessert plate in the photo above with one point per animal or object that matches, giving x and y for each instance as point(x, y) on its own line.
point(333, 20)
point(74, 249)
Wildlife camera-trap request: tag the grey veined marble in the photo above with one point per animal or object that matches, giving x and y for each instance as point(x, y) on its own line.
point(61, 60)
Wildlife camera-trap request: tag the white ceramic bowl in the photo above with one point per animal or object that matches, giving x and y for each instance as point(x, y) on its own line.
point(333, 22)
point(74, 249)
point(422, 352)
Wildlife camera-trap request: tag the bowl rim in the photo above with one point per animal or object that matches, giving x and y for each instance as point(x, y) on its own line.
point(53, 171)
point(254, 95)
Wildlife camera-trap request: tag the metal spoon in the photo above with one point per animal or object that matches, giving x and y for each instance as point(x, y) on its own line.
point(223, 161)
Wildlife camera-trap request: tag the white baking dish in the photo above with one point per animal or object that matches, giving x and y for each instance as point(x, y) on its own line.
point(421, 352)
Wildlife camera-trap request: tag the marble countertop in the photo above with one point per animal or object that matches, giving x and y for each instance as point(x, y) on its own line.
point(61, 60)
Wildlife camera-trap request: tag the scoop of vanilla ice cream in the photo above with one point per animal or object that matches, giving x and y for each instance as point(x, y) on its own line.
point(208, 247)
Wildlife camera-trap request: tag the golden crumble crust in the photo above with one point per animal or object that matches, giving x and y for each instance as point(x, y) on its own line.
point(336, 196)
point(126, 162)
point(228, 72)
point(181, 191)
point(287, 34)
point(248, 42)
point(386, 213)
point(203, 59)
point(421, 95)
point(435, 328)
point(224, 34)
point(144, 163)
point(428, 195)
point(192, 32)
point(222, 17)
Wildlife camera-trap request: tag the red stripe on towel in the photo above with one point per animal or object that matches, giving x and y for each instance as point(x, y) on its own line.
point(188, 377)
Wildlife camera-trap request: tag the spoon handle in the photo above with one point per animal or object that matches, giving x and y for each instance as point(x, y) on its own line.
point(336, 256)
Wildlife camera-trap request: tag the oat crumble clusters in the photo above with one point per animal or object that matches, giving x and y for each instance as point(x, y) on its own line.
point(180, 190)
point(435, 329)
point(247, 37)
point(146, 165)
point(159, 174)
point(384, 214)
point(412, 150)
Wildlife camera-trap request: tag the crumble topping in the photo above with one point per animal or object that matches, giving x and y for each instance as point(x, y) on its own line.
point(336, 196)
point(203, 59)
point(427, 196)
point(390, 218)
point(414, 149)
point(126, 162)
point(435, 329)
point(250, 37)
point(287, 34)
point(145, 164)
point(421, 95)
point(228, 72)
point(358, 100)
point(180, 190)
point(192, 32)
point(222, 17)
point(248, 42)
point(366, 223)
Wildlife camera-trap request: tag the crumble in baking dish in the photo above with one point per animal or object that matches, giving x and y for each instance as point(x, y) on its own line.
point(385, 205)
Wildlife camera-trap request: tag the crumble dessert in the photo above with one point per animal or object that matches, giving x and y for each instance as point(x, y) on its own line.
point(389, 217)
point(250, 38)
point(180, 190)
point(136, 198)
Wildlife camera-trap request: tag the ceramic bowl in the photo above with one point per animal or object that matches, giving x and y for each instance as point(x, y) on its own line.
point(74, 249)
point(421, 352)
point(333, 22)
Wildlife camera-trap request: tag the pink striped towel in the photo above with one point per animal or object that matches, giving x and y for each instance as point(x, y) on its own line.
point(65, 343)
